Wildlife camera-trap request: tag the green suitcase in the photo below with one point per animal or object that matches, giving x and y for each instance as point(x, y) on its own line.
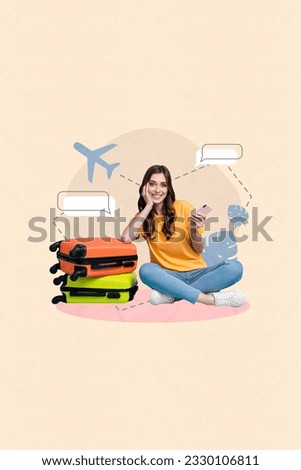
point(117, 288)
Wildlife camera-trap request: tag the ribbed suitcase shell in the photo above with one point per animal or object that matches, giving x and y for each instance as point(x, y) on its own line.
point(94, 257)
point(118, 288)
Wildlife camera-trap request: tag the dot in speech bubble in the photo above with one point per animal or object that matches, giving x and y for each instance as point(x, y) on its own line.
point(86, 203)
point(218, 154)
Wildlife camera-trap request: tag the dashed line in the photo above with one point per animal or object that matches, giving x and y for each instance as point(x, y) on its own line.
point(53, 221)
point(132, 306)
point(240, 182)
point(189, 172)
point(176, 178)
point(129, 179)
point(250, 195)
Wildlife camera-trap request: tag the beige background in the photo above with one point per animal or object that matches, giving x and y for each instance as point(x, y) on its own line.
point(211, 71)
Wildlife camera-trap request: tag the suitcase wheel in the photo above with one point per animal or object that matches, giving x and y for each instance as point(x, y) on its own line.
point(54, 268)
point(57, 299)
point(58, 280)
point(78, 272)
point(79, 251)
point(54, 246)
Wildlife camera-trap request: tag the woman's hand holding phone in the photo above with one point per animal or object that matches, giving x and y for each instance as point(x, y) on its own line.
point(204, 210)
point(198, 219)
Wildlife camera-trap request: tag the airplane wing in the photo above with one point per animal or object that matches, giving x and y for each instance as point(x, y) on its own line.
point(92, 153)
point(101, 150)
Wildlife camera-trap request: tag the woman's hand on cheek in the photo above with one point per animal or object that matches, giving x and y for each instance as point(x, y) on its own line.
point(146, 196)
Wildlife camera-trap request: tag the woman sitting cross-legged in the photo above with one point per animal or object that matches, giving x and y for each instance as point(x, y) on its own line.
point(174, 235)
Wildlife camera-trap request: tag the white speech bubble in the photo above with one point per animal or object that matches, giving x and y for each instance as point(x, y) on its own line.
point(86, 203)
point(218, 154)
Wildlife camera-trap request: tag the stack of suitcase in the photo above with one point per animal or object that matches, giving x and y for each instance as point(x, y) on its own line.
point(97, 270)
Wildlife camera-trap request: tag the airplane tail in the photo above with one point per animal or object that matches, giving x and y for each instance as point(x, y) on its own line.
point(111, 168)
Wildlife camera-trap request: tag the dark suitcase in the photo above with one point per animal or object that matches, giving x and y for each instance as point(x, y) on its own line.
point(94, 257)
point(118, 288)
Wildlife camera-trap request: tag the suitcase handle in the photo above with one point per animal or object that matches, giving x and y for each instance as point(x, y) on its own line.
point(78, 292)
point(95, 261)
point(83, 293)
point(107, 265)
point(133, 291)
point(128, 263)
point(115, 264)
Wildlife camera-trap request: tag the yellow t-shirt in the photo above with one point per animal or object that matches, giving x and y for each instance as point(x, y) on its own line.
point(176, 253)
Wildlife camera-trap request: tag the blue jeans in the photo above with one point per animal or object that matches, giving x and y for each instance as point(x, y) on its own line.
point(188, 285)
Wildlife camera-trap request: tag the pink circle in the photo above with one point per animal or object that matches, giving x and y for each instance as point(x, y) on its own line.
point(139, 310)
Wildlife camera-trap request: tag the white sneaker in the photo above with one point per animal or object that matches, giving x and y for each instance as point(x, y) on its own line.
point(229, 299)
point(157, 298)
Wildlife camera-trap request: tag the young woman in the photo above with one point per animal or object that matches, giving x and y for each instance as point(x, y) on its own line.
point(173, 232)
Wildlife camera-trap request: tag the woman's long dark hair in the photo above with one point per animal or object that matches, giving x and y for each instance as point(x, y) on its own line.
point(168, 211)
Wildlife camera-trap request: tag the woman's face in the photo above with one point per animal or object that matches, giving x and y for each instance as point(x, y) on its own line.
point(157, 187)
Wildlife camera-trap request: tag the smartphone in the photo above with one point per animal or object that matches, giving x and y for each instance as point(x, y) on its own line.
point(204, 210)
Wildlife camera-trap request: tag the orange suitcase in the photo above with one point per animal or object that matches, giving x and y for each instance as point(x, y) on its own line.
point(94, 257)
